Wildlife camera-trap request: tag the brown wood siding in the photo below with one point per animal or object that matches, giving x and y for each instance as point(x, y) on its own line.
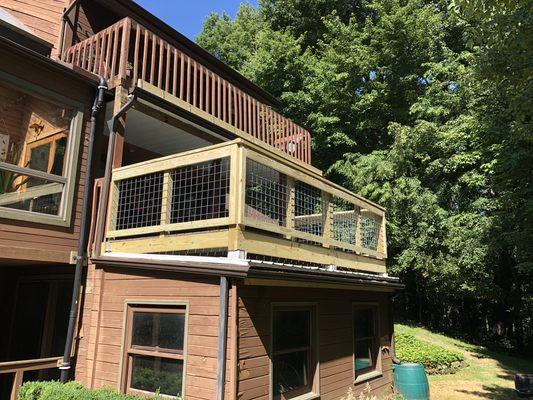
point(41, 16)
point(335, 346)
point(41, 242)
point(99, 349)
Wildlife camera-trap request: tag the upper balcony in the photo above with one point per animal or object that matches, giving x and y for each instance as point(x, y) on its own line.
point(126, 53)
point(237, 196)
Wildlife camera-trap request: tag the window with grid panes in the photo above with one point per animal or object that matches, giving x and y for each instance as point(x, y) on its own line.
point(366, 339)
point(293, 352)
point(34, 146)
point(154, 350)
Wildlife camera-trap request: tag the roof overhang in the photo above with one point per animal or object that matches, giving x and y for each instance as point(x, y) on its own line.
point(13, 29)
point(267, 273)
point(17, 49)
point(253, 272)
point(195, 265)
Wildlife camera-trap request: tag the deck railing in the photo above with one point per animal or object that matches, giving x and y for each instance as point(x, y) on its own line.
point(18, 368)
point(237, 185)
point(128, 51)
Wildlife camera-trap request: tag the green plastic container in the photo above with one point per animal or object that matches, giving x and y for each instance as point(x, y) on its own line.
point(411, 381)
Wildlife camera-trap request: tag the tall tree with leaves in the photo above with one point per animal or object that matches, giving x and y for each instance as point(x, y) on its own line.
point(411, 107)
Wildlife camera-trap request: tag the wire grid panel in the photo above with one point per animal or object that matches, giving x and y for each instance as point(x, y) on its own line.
point(308, 209)
point(370, 226)
point(267, 194)
point(139, 201)
point(200, 191)
point(344, 221)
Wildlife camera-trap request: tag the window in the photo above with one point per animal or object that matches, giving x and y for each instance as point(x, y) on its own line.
point(293, 355)
point(366, 339)
point(39, 141)
point(154, 350)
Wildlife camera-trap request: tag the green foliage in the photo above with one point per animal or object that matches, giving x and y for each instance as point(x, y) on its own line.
point(69, 391)
point(163, 381)
point(435, 359)
point(425, 108)
point(8, 178)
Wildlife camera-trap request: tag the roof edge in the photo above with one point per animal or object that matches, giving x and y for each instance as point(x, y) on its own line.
point(353, 280)
point(184, 264)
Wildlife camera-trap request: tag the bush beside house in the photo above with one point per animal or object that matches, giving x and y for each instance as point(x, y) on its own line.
point(436, 359)
point(69, 391)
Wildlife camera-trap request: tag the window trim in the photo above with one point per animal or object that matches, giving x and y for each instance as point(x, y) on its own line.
point(312, 307)
point(71, 161)
point(149, 305)
point(377, 370)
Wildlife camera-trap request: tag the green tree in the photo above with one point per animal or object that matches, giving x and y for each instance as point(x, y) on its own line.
point(424, 107)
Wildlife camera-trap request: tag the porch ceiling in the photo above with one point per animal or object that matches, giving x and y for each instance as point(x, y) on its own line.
point(155, 135)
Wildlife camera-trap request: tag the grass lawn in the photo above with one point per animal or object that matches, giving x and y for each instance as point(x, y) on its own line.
point(489, 374)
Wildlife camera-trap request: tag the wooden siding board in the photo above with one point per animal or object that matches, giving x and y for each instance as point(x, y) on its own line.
point(334, 320)
point(105, 338)
point(42, 17)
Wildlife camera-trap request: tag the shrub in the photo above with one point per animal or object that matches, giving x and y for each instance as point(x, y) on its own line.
point(365, 395)
point(435, 359)
point(69, 391)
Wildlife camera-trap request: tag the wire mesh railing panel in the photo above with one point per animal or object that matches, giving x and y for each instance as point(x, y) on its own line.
point(267, 194)
point(344, 221)
point(200, 191)
point(139, 201)
point(370, 226)
point(308, 209)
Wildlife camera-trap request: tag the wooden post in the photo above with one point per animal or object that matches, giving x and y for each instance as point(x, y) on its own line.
point(238, 197)
point(358, 229)
point(124, 50)
point(291, 204)
point(382, 244)
point(166, 200)
point(327, 219)
point(112, 208)
point(121, 95)
point(17, 382)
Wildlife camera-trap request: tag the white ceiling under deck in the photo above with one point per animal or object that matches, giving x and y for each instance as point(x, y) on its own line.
point(157, 136)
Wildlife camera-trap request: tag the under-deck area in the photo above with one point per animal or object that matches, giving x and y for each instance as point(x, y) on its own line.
point(34, 304)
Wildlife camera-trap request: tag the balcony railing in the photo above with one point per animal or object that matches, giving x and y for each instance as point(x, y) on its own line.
point(18, 368)
point(126, 51)
point(238, 196)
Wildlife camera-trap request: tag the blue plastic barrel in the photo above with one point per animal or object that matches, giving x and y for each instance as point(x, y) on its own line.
point(411, 381)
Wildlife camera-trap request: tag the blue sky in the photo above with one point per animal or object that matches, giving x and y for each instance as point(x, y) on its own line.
point(187, 16)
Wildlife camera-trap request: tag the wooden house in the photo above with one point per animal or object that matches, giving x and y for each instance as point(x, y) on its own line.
point(220, 263)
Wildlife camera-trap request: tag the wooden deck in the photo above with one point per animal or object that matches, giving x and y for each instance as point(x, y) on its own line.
point(128, 54)
point(237, 196)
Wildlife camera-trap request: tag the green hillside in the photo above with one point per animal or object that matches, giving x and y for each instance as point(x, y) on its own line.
point(485, 374)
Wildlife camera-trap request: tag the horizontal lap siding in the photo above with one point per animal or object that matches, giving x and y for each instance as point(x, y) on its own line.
point(100, 349)
point(41, 16)
point(334, 320)
point(41, 242)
